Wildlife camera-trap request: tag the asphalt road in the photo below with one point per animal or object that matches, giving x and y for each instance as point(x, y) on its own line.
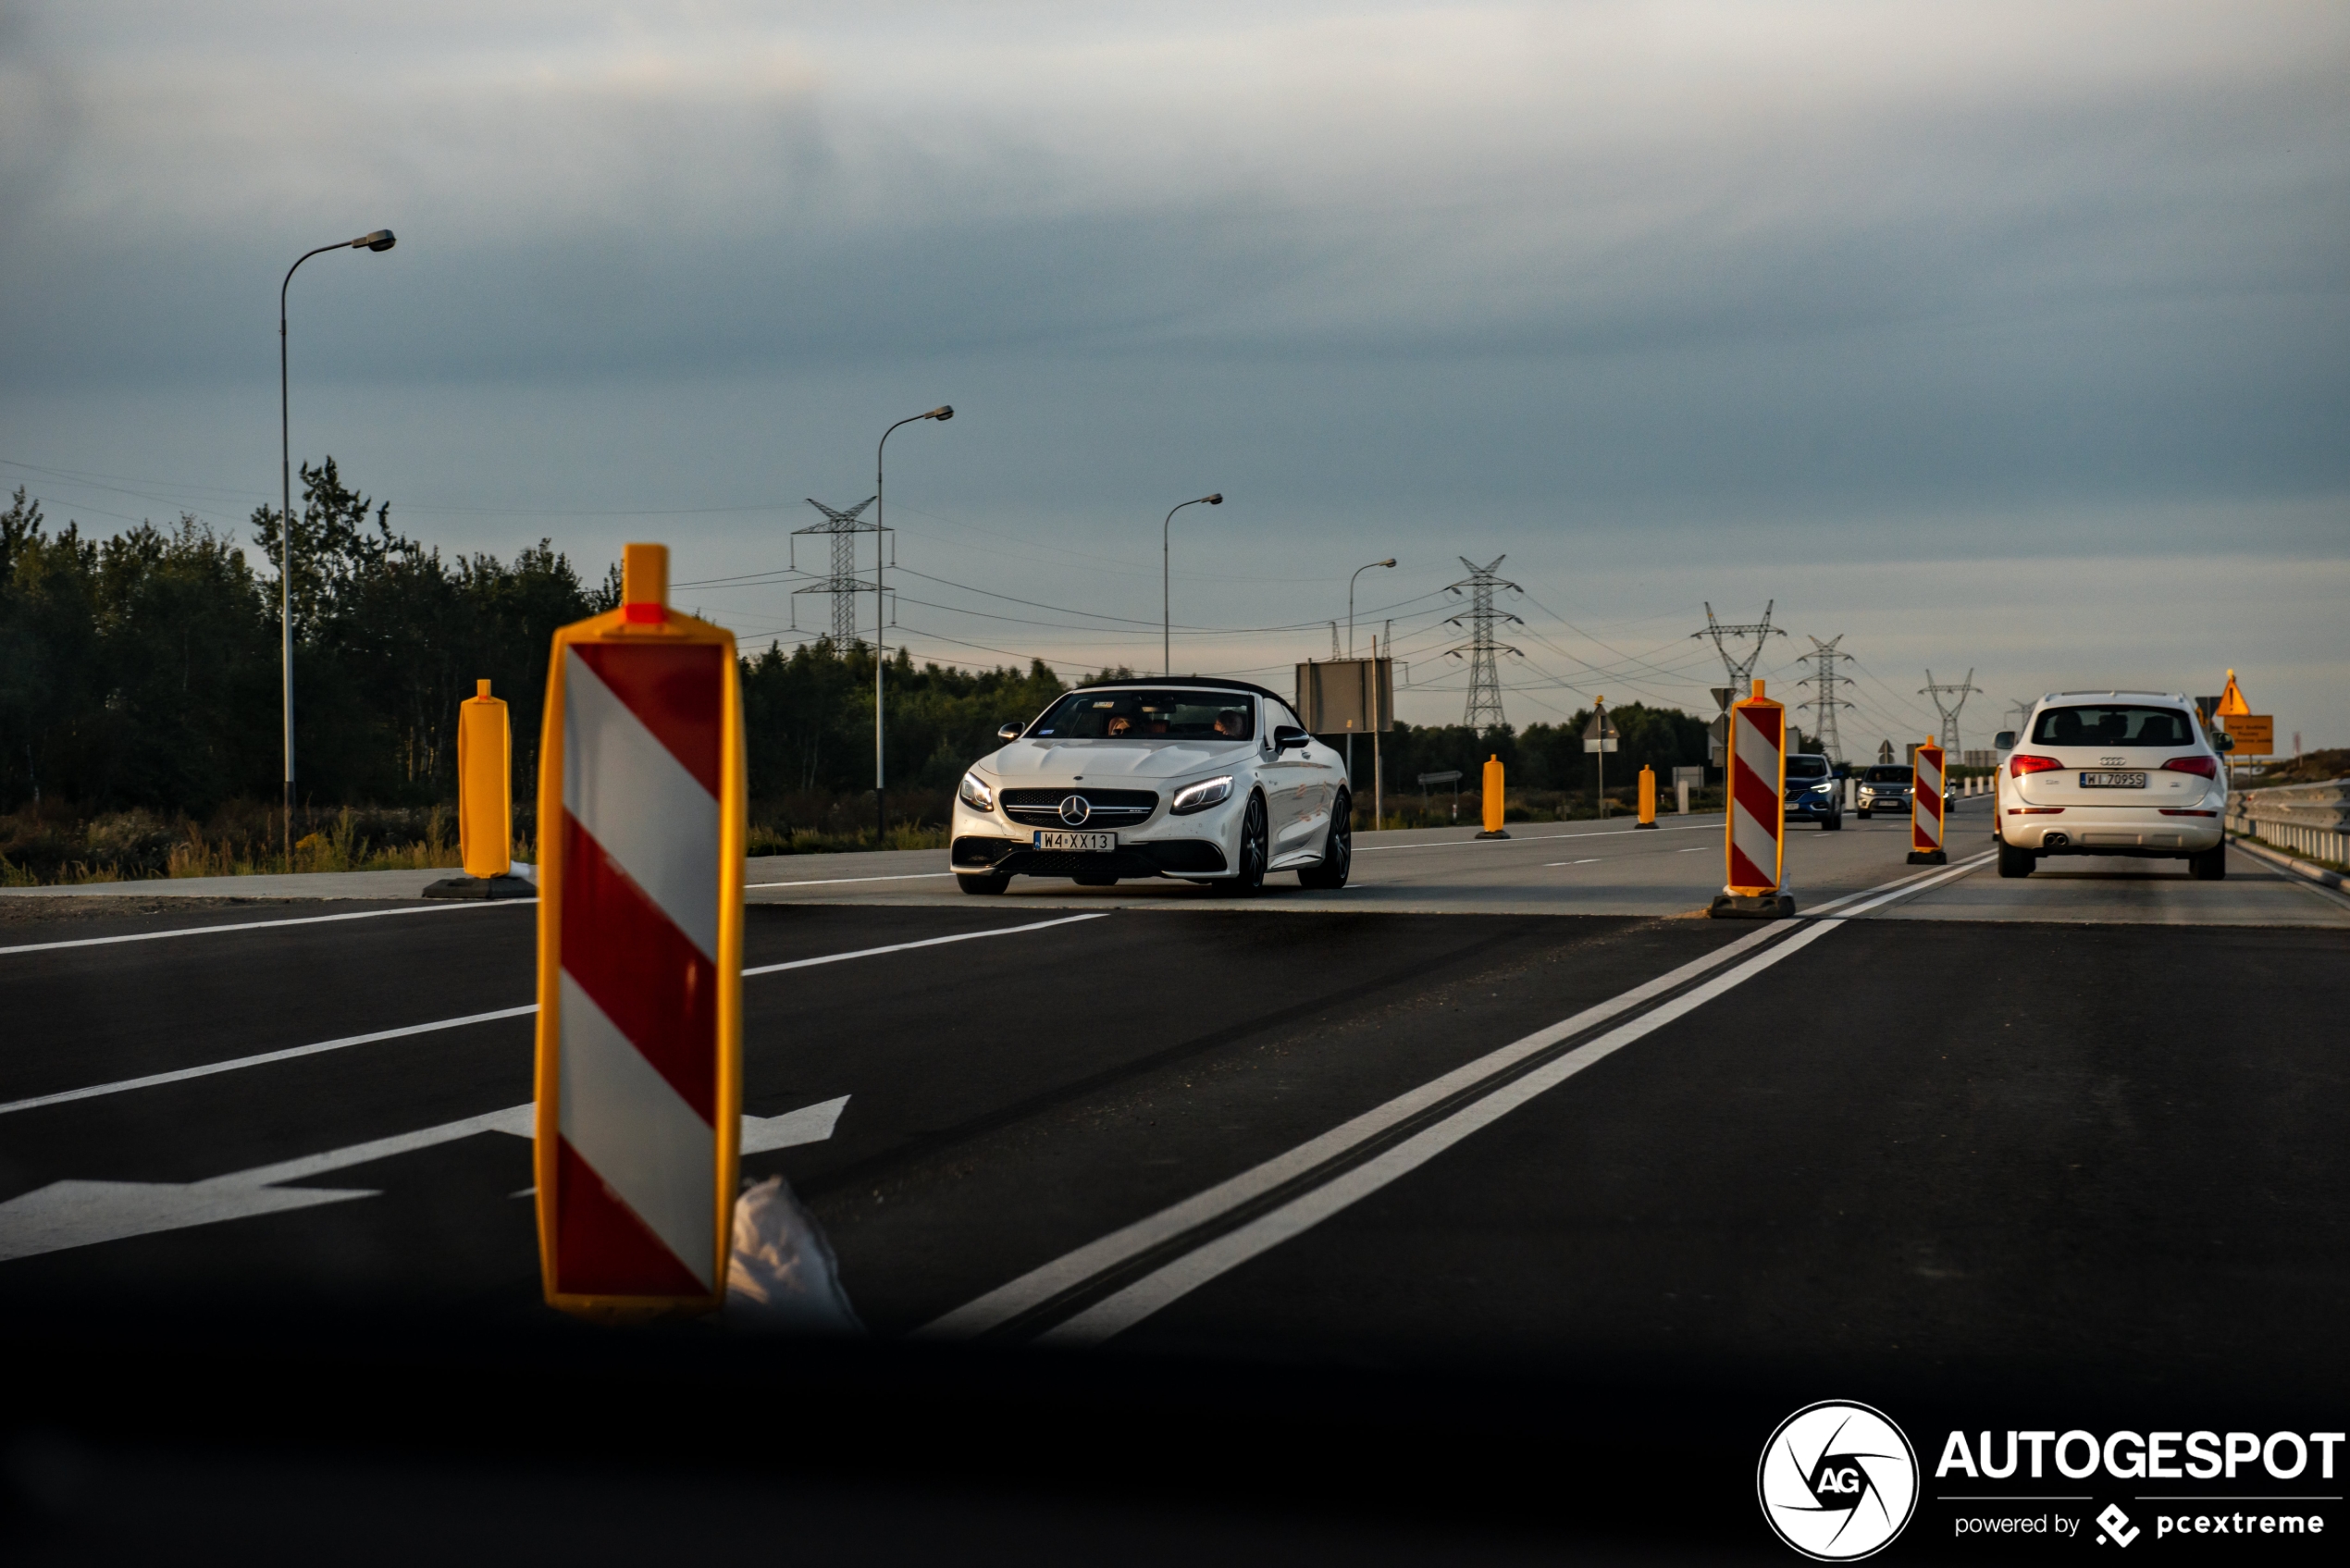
point(1944, 1133)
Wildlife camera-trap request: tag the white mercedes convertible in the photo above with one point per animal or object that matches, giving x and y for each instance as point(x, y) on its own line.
point(1206, 781)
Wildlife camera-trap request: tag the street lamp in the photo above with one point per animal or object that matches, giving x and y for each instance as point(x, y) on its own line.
point(1166, 598)
point(381, 239)
point(943, 413)
point(1350, 649)
point(1350, 600)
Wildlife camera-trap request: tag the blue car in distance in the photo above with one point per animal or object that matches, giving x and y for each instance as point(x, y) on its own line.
point(1813, 792)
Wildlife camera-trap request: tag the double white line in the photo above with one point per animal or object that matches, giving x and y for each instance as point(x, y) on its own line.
point(1036, 1291)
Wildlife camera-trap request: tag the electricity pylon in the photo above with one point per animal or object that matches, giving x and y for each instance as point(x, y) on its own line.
point(1949, 711)
point(843, 584)
point(1825, 703)
point(1741, 671)
point(1484, 711)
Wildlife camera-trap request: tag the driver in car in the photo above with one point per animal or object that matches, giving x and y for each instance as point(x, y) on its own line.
point(1232, 725)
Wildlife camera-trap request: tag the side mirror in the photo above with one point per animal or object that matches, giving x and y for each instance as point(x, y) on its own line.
point(1010, 731)
point(1289, 737)
point(2003, 741)
point(2224, 741)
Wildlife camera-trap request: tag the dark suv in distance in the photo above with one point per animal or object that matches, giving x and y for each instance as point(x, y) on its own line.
point(1884, 787)
point(1813, 792)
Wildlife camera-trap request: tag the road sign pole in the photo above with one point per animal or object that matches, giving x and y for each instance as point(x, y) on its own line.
point(1754, 829)
point(641, 807)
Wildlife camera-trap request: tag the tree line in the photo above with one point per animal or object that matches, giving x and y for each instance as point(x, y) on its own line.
point(142, 671)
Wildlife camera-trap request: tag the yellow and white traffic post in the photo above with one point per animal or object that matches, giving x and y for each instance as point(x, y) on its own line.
point(485, 803)
point(1925, 807)
point(1493, 798)
point(1648, 797)
point(1754, 828)
point(642, 814)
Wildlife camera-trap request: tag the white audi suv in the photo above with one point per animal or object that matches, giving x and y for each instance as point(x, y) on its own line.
point(2112, 772)
point(1209, 781)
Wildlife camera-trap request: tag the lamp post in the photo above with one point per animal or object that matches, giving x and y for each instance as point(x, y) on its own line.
point(943, 413)
point(1350, 653)
point(1166, 596)
point(381, 239)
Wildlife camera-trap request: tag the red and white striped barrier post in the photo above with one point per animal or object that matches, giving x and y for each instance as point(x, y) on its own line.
point(641, 822)
point(1754, 836)
point(1925, 807)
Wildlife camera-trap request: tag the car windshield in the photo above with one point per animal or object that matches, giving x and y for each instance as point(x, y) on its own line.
point(1883, 775)
point(2111, 724)
point(1807, 767)
point(1149, 715)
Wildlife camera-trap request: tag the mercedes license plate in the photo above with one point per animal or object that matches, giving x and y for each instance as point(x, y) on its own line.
point(1081, 843)
point(2113, 781)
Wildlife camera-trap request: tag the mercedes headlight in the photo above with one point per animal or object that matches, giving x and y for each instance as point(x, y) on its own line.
point(975, 795)
point(1201, 796)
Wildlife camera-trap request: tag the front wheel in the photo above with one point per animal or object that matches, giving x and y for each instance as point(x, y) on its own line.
point(2209, 865)
point(1338, 850)
point(1254, 834)
point(982, 886)
point(1833, 824)
point(2015, 863)
point(1862, 814)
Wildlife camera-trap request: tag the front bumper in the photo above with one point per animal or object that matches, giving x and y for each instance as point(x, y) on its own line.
point(1149, 857)
point(1201, 845)
point(1814, 808)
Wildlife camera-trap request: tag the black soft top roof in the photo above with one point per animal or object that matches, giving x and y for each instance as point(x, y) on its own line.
point(1196, 683)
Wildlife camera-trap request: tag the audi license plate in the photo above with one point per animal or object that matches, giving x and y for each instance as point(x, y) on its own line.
point(1081, 843)
point(2113, 781)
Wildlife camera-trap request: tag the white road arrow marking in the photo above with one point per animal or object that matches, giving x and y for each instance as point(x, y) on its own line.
point(82, 1213)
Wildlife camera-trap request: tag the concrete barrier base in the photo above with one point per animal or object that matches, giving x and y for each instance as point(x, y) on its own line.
point(1751, 907)
point(1929, 857)
point(1495, 833)
point(481, 887)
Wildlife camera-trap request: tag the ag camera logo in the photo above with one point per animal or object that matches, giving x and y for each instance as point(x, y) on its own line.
point(1838, 1481)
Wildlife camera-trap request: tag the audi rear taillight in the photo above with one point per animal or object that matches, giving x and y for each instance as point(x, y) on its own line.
point(2018, 766)
point(2204, 766)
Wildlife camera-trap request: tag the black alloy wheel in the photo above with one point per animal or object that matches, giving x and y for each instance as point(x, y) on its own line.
point(982, 886)
point(1338, 850)
point(1254, 835)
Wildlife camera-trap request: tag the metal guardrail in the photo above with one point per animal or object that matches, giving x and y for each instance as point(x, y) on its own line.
point(2311, 820)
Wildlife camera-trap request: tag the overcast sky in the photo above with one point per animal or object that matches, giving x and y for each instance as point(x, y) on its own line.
point(2005, 337)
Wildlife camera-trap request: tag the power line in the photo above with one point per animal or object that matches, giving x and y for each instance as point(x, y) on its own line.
point(1484, 710)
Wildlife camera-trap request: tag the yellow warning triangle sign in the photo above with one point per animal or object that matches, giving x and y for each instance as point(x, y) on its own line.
point(2232, 700)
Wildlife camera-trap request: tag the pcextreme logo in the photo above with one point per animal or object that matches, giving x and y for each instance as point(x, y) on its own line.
point(1838, 1480)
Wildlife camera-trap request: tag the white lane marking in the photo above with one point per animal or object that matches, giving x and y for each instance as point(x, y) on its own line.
point(1555, 863)
point(1693, 849)
point(1040, 1285)
point(1528, 838)
point(81, 1214)
point(1903, 892)
point(926, 942)
point(836, 881)
point(1915, 881)
point(265, 1058)
point(1179, 1278)
point(264, 925)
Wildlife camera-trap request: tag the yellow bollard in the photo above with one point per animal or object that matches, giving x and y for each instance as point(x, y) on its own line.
point(1493, 791)
point(484, 786)
point(1648, 797)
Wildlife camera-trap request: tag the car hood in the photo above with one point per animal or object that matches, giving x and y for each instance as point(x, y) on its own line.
point(1055, 762)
